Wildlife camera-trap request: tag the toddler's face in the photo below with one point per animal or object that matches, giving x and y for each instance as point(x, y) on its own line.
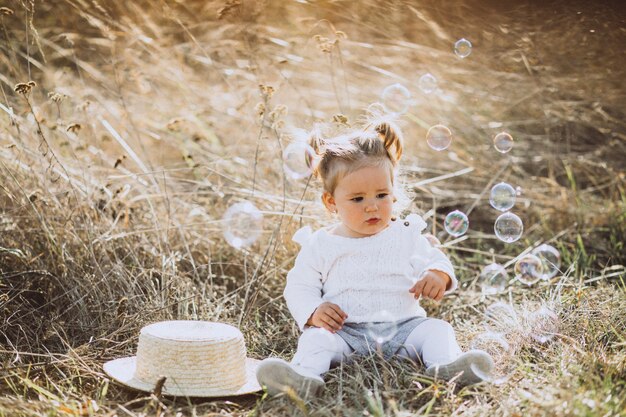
point(363, 200)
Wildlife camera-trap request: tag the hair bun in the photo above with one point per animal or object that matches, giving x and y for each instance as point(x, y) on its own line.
point(390, 134)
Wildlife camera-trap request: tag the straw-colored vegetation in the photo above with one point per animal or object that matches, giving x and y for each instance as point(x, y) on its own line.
point(127, 129)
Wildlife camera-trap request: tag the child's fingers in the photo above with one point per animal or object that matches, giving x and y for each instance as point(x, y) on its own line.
point(434, 292)
point(335, 325)
point(440, 294)
point(338, 318)
point(428, 287)
point(327, 326)
point(418, 288)
point(339, 311)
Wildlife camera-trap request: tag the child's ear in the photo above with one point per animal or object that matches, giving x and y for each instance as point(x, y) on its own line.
point(329, 201)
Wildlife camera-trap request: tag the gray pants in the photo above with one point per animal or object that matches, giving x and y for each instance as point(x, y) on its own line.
point(431, 341)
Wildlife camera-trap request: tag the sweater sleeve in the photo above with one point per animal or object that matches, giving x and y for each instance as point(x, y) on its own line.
point(303, 291)
point(426, 257)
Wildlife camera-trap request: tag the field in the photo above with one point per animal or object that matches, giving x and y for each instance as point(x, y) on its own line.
point(128, 128)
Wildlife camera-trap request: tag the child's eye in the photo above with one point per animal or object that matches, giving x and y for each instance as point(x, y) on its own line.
point(382, 195)
point(357, 199)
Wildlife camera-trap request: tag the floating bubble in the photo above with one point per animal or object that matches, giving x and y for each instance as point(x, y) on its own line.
point(518, 191)
point(500, 351)
point(298, 160)
point(242, 224)
point(502, 196)
point(396, 98)
point(427, 83)
point(439, 137)
point(384, 328)
point(456, 223)
point(462, 48)
point(501, 317)
point(544, 324)
point(508, 227)
point(528, 269)
point(432, 239)
point(503, 142)
point(493, 279)
point(550, 259)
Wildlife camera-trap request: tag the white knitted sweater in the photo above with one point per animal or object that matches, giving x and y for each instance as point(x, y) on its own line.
point(369, 277)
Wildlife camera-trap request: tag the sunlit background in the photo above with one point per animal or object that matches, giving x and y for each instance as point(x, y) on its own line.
point(152, 167)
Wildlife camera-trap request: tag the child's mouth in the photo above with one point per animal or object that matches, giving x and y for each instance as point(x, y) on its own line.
point(373, 221)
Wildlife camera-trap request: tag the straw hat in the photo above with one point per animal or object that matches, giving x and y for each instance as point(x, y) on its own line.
point(198, 359)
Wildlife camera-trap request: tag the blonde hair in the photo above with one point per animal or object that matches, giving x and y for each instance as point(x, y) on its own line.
point(379, 143)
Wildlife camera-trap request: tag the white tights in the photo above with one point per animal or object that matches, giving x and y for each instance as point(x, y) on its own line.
point(432, 341)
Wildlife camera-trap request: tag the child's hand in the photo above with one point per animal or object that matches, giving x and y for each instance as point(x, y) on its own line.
point(328, 316)
point(432, 285)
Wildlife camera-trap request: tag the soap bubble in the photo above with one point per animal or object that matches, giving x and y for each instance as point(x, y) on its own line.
point(501, 317)
point(493, 279)
point(427, 83)
point(396, 98)
point(544, 324)
point(503, 142)
point(242, 224)
point(528, 269)
point(508, 227)
point(383, 327)
point(501, 353)
point(518, 191)
point(432, 239)
point(298, 160)
point(462, 48)
point(439, 137)
point(502, 196)
point(456, 223)
point(550, 259)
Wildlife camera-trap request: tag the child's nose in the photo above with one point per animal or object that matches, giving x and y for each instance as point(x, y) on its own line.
point(371, 207)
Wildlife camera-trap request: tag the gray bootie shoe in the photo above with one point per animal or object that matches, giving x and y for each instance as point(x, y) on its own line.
point(277, 375)
point(463, 365)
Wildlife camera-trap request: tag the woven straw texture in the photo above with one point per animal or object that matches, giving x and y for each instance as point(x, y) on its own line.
point(199, 359)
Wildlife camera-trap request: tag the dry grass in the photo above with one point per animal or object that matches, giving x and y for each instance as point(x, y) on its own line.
point(148, 119)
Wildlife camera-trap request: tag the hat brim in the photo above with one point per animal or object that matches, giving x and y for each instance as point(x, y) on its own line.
point(123, 371)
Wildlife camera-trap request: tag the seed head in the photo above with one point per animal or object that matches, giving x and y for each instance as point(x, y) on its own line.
point(324, 44)
point(278, 125)
point(56, 97)
point(74, 127)
point(24, 88)
point(83, 106)
point(278, 112)
point(341, 119)
point(266, 90)
point(260, 109)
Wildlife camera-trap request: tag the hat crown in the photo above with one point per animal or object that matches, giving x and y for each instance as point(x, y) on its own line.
point(192, 354)
point(192, 330)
